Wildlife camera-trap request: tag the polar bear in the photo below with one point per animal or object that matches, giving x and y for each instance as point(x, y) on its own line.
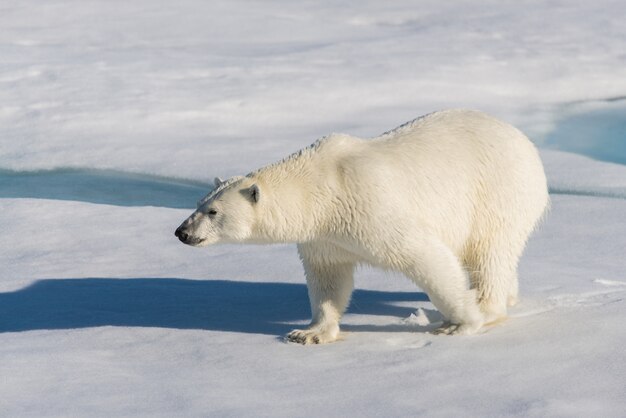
point(448, 199)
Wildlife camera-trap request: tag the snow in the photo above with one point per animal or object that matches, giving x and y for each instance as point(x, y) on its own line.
point(114, 118)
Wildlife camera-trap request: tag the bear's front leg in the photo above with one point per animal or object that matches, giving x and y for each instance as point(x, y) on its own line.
point(330, 285)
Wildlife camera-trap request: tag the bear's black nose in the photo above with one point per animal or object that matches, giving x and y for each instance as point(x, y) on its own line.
point(183, 236)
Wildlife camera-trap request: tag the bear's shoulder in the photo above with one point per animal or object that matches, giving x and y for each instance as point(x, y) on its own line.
point(336, 144)
point(336, 140)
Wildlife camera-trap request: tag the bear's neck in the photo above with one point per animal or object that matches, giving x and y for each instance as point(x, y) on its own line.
point(298, 201)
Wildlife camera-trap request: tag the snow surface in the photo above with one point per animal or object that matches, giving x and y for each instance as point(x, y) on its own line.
point(114, 116)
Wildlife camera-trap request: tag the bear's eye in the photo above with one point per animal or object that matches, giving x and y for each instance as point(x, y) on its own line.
point(212, 212)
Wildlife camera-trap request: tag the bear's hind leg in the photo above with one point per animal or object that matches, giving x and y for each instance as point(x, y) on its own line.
point(513, 296)
point(440, 274)
point(330, 280)
point(494, 276)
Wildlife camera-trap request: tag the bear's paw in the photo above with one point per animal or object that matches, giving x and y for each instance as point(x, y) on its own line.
point(449, 328)
point(313, 335)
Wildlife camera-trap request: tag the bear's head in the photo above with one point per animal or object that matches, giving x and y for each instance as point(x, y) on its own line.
point(226, 215)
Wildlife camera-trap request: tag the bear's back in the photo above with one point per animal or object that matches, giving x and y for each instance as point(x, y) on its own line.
point(445, 169)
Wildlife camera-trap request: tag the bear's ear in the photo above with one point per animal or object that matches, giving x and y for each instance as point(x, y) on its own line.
point(255, 193)
point(252, 193)
point(218, 182)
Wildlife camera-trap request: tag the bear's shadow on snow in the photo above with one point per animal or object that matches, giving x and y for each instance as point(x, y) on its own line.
point(220, 305)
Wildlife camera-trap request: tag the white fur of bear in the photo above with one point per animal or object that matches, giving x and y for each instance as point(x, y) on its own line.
point(448, 199)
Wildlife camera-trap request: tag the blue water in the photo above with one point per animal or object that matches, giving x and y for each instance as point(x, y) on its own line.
point(599, 134)
point(102, 186)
